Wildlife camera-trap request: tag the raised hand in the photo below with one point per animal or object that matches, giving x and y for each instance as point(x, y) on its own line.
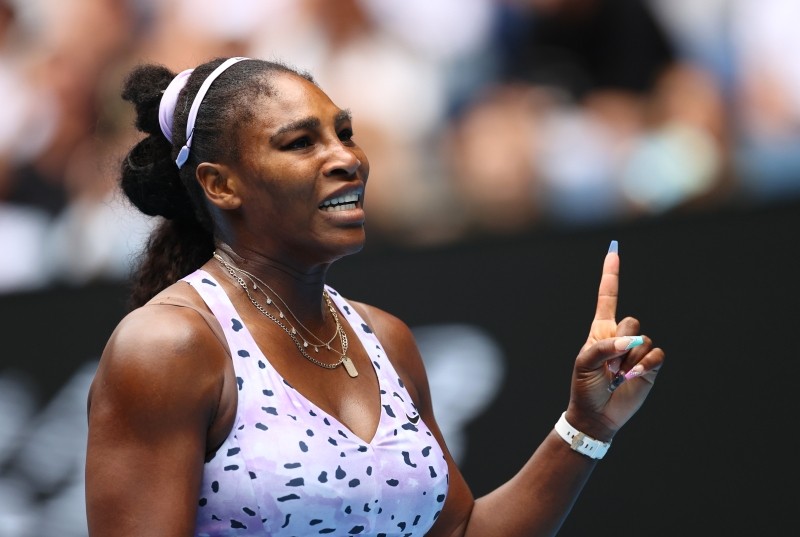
point(616, 367)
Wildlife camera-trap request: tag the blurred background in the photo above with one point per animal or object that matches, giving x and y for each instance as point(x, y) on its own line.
point(509, 141)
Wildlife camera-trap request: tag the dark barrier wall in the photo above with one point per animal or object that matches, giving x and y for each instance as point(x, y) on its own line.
point(713, 448)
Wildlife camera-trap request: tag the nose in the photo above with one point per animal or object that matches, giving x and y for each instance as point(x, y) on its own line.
point(342, 161)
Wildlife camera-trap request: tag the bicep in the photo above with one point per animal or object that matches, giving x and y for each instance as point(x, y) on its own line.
point(150, 409)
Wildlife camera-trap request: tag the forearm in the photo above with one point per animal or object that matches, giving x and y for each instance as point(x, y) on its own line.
point(537, 500)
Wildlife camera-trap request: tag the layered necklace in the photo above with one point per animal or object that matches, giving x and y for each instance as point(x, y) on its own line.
point(282, 321)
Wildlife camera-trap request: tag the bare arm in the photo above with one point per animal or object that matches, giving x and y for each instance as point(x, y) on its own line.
point(537, 500)
point(153, 400)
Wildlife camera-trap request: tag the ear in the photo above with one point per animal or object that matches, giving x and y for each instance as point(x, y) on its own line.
point(219, 184)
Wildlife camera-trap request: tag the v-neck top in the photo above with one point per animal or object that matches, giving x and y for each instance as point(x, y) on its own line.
point(288, 468)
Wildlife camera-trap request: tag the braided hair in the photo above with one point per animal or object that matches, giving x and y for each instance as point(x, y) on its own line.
point(150, 179)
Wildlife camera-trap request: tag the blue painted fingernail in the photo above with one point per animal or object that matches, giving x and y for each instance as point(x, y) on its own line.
point(635, 342)
point(626, 343)
point(613, 248)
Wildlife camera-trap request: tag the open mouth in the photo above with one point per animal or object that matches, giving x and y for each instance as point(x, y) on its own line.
point(346, 202)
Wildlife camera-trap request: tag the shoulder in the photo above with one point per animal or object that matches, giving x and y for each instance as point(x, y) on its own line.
point(167, 332)
point(161, 354)
point(392, 328)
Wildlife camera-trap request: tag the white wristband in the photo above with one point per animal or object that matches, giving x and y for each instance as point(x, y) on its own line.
point(585, 445)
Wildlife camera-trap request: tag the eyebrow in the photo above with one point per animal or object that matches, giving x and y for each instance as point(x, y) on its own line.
point(309, 123)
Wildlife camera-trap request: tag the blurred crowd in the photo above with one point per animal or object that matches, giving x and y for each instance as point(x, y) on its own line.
point(479, 116)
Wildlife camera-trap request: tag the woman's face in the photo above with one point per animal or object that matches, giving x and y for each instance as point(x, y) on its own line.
point(301, 177)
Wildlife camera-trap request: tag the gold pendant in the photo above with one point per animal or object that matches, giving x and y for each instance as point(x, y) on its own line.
point(350, 367)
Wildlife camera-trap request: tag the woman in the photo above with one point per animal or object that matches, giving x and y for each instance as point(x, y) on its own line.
point(242, 395)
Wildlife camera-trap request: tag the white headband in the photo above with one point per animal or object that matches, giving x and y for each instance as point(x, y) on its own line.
point(166, 108)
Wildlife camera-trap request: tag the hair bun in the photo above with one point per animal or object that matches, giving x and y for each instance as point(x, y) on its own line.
point(152, 183)
point(144, 87)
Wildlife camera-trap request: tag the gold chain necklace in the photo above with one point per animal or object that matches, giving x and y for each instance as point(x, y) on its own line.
point(253, 279)
point(343, 360)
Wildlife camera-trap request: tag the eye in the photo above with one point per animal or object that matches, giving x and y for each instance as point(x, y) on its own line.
point(346, 135)
point(300, 143)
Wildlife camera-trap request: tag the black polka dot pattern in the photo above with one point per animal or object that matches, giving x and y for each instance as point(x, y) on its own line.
point(290, 469)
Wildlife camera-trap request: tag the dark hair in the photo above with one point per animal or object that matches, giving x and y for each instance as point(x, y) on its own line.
point(184, 240)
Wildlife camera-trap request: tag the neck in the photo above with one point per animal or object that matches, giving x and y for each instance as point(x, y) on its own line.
point(301, 290)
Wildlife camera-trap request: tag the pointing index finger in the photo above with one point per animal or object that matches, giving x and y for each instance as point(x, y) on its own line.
point(609, 286)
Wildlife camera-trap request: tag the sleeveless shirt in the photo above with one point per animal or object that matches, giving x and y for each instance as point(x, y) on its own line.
point(288, 468)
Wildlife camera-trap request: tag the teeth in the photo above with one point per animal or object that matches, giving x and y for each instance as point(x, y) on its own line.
point(342, 203)
point(336, 208)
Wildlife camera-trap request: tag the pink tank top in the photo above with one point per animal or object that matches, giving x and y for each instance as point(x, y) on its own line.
point(288, 468)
